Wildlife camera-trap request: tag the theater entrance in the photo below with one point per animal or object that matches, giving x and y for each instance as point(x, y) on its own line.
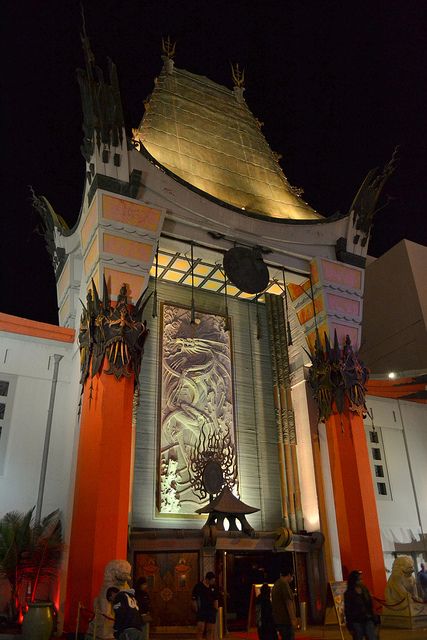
point(240, 570)
point(173, 566)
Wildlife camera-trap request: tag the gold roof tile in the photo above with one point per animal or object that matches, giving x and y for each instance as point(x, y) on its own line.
point(203, 134)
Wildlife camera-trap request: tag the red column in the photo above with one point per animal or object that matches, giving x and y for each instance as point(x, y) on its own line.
point(102, 488)
point(355, 504)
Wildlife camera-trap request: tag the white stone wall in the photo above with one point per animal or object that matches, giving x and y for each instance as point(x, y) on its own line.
point(403, 428)
point(414, 418)
point(28, 362)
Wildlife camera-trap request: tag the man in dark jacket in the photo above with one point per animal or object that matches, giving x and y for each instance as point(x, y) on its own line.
point(127, 622)
point(282, 600)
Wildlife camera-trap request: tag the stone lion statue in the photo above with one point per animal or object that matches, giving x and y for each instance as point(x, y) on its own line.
point(401, 585)
point(117, 573)
point(401, 580)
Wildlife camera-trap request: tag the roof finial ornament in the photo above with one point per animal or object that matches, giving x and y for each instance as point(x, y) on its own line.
point(365, 204)
point(238, 76)
point(168, 49)
point(103, 121)
point(88, 53)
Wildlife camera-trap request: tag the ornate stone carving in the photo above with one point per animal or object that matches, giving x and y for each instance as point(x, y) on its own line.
point(51, 226)
point(116, 333)
point(365, 203)
point(196, 405)
point(337, 376)
point(169, 479)
point(403, 608)
point(103, 120)
point(284, 538)
point(213, 462)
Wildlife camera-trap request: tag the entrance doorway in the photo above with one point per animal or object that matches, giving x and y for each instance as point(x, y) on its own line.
point(240, 571)
point(171, 577)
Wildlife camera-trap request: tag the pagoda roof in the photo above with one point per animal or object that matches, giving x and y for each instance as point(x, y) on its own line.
point(226, 502)
point(205, 134)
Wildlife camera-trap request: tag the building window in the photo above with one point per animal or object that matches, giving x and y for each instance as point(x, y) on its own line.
point(7, 391)
point(379, 471)
point(4, 387)
point(382, 489)
point(378, 463)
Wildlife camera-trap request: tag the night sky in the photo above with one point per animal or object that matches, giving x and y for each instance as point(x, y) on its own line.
point(337, 84)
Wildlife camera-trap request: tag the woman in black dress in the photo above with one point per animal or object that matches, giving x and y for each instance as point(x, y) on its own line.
point(359, 614)
point(264, 615)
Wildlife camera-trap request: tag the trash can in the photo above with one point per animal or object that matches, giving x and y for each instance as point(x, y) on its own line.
point(303, 613)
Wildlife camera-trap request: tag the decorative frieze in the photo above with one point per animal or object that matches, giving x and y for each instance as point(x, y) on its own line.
point(330, 301)
point(118, 237)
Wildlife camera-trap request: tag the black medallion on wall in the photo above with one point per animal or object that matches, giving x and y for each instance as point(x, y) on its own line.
point(246, 269)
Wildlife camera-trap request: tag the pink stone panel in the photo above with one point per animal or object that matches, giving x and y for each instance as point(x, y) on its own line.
point(131, 213)
point(343, 331)
point(340, 274)
point(95, 278)
point(89, 224)
point(329, 328)
point(127, 248)
point(92, 256)
point(343, 306)
point(115, 280)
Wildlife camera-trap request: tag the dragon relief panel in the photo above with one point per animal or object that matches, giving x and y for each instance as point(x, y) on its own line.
point(196, 407)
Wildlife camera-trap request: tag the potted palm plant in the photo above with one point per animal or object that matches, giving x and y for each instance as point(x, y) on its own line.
point(30, 556)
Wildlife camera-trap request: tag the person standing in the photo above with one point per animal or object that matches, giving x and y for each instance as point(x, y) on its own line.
point(422, 582)
point(205, 603)
point(143, 600)
point(283, 605)
point(264, 615)
point(359, 614)
point(127, 619)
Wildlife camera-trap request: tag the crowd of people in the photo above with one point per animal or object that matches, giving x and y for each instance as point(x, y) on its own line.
point(276, 612)
point(275, 609)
